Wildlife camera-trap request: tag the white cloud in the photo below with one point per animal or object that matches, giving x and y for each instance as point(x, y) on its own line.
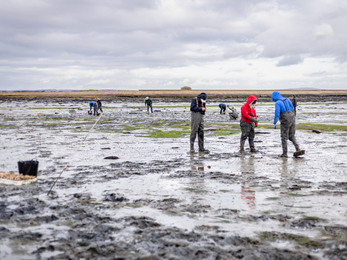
point(322, 31)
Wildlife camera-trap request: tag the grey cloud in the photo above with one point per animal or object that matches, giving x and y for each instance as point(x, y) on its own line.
point(316, 74)
point(289, 60)
point(102, 35)
point(240, 50)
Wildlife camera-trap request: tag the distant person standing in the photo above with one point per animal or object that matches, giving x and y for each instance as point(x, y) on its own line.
point(294, 103)
point(284, 111)
point(148, 103)
point(222, 108)
point(198, 108)
point(98, 102)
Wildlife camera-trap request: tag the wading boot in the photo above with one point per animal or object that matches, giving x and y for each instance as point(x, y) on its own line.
point(192, 148)
point(251, 146)
point(203, 150)
point(297, 148)
point(242, 144)
point(284, 149)
point(298, 153)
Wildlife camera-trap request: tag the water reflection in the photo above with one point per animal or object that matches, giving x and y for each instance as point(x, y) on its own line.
point(247, 193)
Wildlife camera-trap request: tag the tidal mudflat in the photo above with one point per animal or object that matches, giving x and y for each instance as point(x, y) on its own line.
point(157, 201)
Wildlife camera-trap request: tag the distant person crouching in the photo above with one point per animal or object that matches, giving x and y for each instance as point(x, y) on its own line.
point(233, 114)
point(222, 108)
point(94, 105)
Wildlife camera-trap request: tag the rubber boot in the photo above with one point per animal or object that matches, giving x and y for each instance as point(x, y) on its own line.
point(242, 145)
point(202, 149)
point(192, 147)
point(201, 142)
point(284, 149)
point(251, 146)
point(297, 149)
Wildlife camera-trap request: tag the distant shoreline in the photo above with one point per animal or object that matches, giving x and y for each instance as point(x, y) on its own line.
point(304, 95)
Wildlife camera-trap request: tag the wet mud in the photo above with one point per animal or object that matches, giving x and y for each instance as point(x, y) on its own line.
point(132, 190)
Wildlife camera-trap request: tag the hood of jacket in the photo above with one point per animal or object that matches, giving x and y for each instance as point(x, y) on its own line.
point(250, 99)
point(276, 96)
point(202, 96)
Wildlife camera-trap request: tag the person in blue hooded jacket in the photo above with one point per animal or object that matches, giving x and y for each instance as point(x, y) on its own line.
point(94, 105)
point(198, 108)
point(284, 111)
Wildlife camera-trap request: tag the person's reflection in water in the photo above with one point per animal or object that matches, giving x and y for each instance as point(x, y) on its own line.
point(196, 164)
point(284, 175)
point(247, 193)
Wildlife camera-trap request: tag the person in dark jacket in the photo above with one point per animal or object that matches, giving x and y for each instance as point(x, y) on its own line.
point(222, 108)
point(98, 102)
point(284, 111)
point(198, 108)
point(294, 103)
point(248, 121)
point(148, 102)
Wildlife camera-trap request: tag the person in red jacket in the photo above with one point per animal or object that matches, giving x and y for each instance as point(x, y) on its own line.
point(247, 123)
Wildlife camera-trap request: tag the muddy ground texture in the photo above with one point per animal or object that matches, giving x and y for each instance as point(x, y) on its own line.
point(155, 200)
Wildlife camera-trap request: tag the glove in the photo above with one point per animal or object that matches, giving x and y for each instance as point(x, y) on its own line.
point(274, 126)
point(253, 119)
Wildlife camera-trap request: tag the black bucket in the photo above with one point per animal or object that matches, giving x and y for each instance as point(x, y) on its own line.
point(28, 167)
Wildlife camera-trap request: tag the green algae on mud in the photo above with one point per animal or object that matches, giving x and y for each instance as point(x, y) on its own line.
point(198, 191)
point(301, 240)
point(321, 127)
point(7, 126)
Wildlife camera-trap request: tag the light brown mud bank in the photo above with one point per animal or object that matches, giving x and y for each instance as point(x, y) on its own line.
point(176, 95)
point(157, 201)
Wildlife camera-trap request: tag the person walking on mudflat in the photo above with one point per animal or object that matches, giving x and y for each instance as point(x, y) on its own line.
point(198, 108)
point(247, 123)
point(284, 111)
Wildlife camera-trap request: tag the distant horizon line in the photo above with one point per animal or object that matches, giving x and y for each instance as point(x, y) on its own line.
point(70, 90)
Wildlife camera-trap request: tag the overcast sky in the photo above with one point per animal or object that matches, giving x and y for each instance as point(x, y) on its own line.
point(168, 44)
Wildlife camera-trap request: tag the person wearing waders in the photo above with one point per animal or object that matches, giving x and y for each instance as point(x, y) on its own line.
point(294, 103)
point(94, 105)
point(198, 108)
point(222, 108)
point(148, 103)
point(98, 102)
point(233, 114)
point(247, 123)
point(284, 111)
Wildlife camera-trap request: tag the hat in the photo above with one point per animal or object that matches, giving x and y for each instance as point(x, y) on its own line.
point(146, 98)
